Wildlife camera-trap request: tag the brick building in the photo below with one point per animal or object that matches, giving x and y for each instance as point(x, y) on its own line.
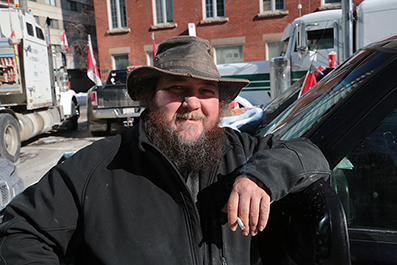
point(239, 30)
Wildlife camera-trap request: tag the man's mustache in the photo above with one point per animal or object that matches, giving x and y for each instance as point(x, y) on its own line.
point(190, 116)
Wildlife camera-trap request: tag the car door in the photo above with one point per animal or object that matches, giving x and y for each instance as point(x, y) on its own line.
point(359, 139)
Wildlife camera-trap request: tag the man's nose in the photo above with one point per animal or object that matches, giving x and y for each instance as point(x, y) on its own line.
point(191, 102)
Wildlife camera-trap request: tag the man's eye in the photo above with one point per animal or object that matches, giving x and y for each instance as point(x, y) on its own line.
point(208, 92)
point(175, 88)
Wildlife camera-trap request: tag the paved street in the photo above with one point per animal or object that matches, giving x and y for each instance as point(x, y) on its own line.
point(39, 154)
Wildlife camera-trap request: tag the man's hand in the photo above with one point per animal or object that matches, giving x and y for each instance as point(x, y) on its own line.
point(249, 201)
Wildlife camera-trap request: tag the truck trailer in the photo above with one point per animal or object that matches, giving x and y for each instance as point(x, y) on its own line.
point(34, 97)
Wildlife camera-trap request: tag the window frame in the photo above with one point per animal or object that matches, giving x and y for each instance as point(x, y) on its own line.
point(71, 5)
point(119, 14)
point(114, 67)
point(50, 2)
point(273, 6)
point(239, 45)
point(164, 12)
point(323, 3)
point(214, 9)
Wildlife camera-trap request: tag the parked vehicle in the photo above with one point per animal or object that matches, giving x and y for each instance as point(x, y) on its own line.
point(10, 182)
point(351, 115)
point(258, 91)
point(33, 99)
point(111, 104)
point(310, 39)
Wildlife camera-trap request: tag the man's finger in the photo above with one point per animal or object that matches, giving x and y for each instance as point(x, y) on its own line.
point(232, 208)
point(264, 213)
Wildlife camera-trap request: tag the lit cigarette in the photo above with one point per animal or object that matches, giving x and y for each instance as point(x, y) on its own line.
point(240, 223)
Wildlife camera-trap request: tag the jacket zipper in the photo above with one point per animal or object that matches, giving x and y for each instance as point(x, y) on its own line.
point(179, 178)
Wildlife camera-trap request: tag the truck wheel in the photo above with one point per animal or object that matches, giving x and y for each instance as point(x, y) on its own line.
point(10, 141)
point(73, 121)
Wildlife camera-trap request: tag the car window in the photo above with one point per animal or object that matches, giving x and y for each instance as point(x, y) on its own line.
point(366, 179)
point(117, 78)
point(300, 116)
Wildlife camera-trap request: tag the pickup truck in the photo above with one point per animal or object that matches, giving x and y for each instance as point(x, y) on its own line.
point(110, 104)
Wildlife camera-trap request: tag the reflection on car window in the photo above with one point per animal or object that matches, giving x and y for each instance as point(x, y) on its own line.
point(300, 116)
point(366, 179)
point(117, 78)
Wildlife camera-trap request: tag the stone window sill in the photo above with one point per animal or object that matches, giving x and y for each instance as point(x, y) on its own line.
point(273, 14)
point(214, 20)
point(118, 31)
point(164, 26)
point(329, 7)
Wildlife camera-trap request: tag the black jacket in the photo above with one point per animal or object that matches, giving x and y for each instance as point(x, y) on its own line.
point(121, 201)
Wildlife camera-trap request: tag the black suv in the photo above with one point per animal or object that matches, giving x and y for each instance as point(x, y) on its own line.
point(351, 115)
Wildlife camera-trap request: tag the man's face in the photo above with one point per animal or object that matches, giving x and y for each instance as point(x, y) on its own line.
point(189, 105)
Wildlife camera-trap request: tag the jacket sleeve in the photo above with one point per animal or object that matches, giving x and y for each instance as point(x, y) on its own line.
point(284, 166)
point(38, 224)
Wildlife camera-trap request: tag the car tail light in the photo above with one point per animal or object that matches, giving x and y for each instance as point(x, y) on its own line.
point(94, 99)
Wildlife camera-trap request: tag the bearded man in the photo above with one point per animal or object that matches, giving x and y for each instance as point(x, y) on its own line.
point(172, 189)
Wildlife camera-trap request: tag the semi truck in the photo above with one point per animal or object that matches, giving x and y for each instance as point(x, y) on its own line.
point(34, 97)
point(311, 39)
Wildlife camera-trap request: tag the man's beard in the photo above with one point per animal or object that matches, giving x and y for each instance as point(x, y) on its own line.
point(187, 155)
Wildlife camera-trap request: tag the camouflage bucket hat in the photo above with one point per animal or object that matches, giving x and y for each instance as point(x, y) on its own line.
point(183, 56)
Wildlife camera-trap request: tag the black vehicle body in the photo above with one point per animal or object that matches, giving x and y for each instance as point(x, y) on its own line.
point(351, 115)
point(111, 104)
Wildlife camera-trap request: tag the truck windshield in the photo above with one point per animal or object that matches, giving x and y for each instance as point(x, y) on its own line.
point(320, 39)
point(307, 110)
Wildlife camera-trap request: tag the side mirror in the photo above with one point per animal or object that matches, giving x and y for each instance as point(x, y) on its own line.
point(308, 227)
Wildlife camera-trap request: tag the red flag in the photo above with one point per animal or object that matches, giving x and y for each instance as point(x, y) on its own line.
point(92, 69)
point(310, 81)
point(64, 42)
point(154, 47)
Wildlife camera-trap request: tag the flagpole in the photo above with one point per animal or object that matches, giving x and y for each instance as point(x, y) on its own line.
point(154, 47)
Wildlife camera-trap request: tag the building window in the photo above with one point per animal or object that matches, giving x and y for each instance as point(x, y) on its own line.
point(120, 61)
point(274, 49)
point(50, 2)
point(272, 5)
point(164, 11)
point(71, 5)
point(330, 2)
point(229, 54)
point(118, 13)
point(53, 24)
point(215, 8)
point(150, 58)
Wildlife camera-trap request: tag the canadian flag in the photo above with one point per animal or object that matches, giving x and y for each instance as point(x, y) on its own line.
point(12, 39)
point(154, 47)
point(309, 82)
point(64, 42)
point(92, 69)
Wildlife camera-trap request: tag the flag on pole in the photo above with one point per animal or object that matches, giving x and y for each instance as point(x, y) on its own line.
point(64, 42)
point(154, 47)
point(309, 82)
point(12, 39)
point(92, 69)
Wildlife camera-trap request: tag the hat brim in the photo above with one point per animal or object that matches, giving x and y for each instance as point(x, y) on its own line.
point(138, 80)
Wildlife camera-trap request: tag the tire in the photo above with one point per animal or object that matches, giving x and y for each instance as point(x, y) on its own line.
point(73, 121)
point(10, 141)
